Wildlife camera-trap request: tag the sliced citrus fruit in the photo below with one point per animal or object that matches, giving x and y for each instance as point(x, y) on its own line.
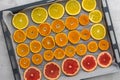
point(44, 29)
point(84, 19)
point(39, 15)
point(88, 5)
point(19, 36)
point(85, 34)
point(81, 49)
point(73, 7)
point(95, 16)
point(98, 31)
point(71, 23)
point(56, 10)
point(20, 21)
point(48, 42)
point(37, 59)
point(103, 44)
point(59, 53)
point(58, 26)
point(74, 36)
point(92, 46)
point(32, 32)
point(48, 55)
point(22, 50)
point(70, 51)
point(61, 39)
point(35, 46)
point(24, 62)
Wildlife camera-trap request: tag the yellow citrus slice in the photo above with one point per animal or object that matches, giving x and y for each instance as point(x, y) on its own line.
point(73, 7)
point(95, 16)
point(59, 53)
point(81, 49)
point(39, 15)
point(56, 10)
point(22, 50)
point(48, 55)
point(24, 62)
point(37, 59)
point(20, 21)
point(88, 5)
point(98, 31)
point(70, 51)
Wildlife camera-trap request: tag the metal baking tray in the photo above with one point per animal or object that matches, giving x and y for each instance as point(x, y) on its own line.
point(111, 37)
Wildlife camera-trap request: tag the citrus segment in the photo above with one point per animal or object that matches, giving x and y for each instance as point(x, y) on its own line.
point(81, 49)
point(48, 55)
point(85, 34)
point(92, 46)
point(70, 51)
point(59, 53)
point(84, 20)
point(37, 59)
point(24, 62)
point(103, 44)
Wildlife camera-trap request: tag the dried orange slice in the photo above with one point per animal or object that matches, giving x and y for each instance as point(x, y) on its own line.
point(35, 46)
point(48, 55)
point(103, 45)
point(37, 59)
point(81, 49)
point(44, 29)
point(71, 23)
point(74, 36)
point(61, 39)
point(70, 51)
point(84, 19)
point(73, 7)
point(85, 34)
point(58, 26)
point(22, 50)
point(24, 62)
point(19, 36)
point(48, 42)
point(59, 53)
point(92, 46)
point(32, 32)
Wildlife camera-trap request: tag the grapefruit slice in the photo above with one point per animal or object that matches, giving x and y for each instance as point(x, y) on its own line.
point(32, 73)
point(52, 71)
point(104, 59)
point(70, 66)
point(89, 63)
point(103, 45)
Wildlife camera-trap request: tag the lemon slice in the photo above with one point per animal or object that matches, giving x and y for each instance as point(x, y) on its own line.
point(88, 5)
point(98, 31)
point(20, 21)
point(39, 15)
point(73, 7)
point(56, 11)
point(95, 16)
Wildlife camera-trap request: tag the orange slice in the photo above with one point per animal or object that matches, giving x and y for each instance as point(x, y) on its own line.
point(19, 36)
point(103, 45)
point(22, 50)
point(70, 51)
point(92, 46)
point(84, 19)
point(48, 55)
point(24, 62)
point(59, 53)
point(81, 49)
point(85, 34)
point(71, 23)
point(58, 26)
point(32, 32)
point(37, 59)
point(35, 46)
point(74, 36)
point(48, 42)
point(44, 29)
point(61, 39)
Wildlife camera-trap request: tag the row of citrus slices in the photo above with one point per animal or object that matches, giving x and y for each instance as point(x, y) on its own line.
point(70, 67)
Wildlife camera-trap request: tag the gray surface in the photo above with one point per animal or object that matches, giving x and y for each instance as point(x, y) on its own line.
point(5, 67)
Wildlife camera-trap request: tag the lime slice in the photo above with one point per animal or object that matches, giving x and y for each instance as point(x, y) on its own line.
point(88, 5)
point(95, 16)
point(98, 31)
point(39, 15)
point(73, 7)
point(56, 11)
point(20, 21)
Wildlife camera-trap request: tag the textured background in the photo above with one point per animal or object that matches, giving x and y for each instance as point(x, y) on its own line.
point(5, 67)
